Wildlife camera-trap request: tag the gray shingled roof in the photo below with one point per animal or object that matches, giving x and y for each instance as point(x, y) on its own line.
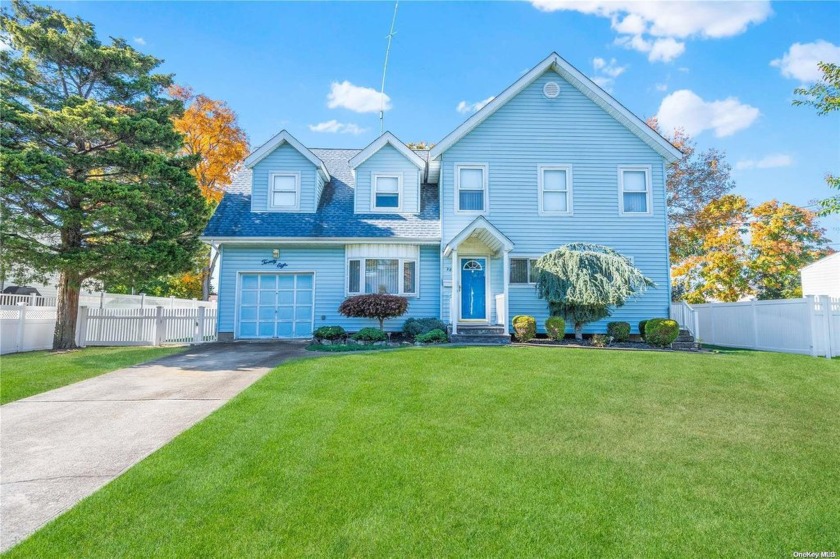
point(334, 217)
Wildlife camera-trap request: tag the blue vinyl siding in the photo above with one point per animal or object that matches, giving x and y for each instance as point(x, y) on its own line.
point(388, 161)
point(328, 265)
point(284, 158)
point(531, 130)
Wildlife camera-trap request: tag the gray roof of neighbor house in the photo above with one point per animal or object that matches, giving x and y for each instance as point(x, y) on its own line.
point(333, 219)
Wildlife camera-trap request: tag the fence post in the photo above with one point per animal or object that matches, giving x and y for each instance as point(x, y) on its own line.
point(101, 299)
point(171, 301)
point(199, 330)
point(142, 300)
point(32, 301)
point(825, 301)
point(20, 327)
point(695, 314)
point(754, 323)
point(160, 326)
point(81, 326)
point(812, 319)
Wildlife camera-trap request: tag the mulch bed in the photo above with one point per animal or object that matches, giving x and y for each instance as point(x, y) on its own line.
point(587, 344)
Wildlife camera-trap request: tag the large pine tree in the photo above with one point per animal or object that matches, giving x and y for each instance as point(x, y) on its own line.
point(92, 183)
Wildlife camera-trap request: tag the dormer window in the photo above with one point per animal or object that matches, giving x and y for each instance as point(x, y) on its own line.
point(387, 190)
point(285, 191)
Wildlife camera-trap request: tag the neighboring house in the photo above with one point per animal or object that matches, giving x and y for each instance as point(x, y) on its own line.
point(551, 160)
point(822, 277)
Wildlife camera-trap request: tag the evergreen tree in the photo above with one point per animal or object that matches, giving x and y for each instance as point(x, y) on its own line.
point(92, 183)
point(581, 282)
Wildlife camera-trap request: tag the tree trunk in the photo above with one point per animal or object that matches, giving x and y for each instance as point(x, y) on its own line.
point(208, 274)
point(64, 336)
point(578, 331)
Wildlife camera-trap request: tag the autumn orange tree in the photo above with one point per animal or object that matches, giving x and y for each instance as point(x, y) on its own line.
point(211, 132)
point(783, 239)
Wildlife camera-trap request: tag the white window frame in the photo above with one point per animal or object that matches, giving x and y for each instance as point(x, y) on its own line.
point(528, 259)
point(647, 171)
point(373, 178)
point(271, 177)
point(485, 171)
point(401, 275)
point(569, 188)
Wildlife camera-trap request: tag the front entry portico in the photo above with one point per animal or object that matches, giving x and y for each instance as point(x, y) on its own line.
point(472, 252)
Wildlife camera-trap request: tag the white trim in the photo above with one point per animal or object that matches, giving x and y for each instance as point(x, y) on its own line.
point(319, 240)
point(487, 295)
point(481, 222)
point(584, 85)
point(238, 293)
point(485, 170)
point(280, 138)
point(648, 192)
point(382, 141)
point(400, 274)
point(541, 169)
point(270, 205)
point(400, 193)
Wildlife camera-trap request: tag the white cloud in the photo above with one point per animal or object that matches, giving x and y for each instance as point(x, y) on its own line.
point(661, 87)
point(685, 109)
point(357, 98)
point(336, 127)
point(465, 107)
point(140, 41)
point(800, 61)
point(606, 71)
point(655, 27)
point(768, 162)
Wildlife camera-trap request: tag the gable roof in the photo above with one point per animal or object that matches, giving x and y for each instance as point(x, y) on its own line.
point(494, 238)
point(379, 143)
point(581, 82)
point(279, 139)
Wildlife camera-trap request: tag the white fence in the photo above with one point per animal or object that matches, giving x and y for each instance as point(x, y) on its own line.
point(810, 325)
point(145, 326)
point(25, 328)
point(27, 322)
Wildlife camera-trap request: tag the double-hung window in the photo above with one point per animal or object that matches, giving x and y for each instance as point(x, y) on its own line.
point(555, 186)
point(395, 276)
point(634, 190)
point(284, 191)
point(387, 190)
point(471, 188)
point(522, 271)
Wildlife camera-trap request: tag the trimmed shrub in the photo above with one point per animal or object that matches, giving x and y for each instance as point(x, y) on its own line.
point(436, 336)
point(642, 329)
point(618, 331)
point(370, 335)
point(331, 333)
point(524, 327)
point(414, 327)
point(555, 327)
point(600, 340)
point(378, 305)
point(661, 332)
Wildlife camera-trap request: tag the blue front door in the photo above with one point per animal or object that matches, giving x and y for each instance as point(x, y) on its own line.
point(473, 289)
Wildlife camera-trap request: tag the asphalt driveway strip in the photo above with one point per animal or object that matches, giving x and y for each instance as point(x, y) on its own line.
point(58, 447)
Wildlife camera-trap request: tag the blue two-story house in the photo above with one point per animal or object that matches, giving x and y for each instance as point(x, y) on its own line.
point(553, 159)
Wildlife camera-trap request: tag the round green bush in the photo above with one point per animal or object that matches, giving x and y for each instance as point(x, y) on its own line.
point(642, 329)
point(370, 335)
point(524, 327)
point(413, 327)
point(618, 331)
point(661, 332)
point(329, 333)
point(555, 327)
point(436, 336)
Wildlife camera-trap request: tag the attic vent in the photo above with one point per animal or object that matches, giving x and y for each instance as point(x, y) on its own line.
point(551, 89)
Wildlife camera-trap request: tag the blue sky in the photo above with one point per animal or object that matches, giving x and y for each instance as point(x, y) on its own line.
point(724, 71)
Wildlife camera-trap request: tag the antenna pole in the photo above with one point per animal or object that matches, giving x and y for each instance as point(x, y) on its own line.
point(385, 70)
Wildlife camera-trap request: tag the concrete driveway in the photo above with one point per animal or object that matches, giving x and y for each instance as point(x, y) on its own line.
point(60, 446)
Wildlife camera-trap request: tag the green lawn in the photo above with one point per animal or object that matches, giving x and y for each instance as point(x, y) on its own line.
point(25, 374)
point(489, 452)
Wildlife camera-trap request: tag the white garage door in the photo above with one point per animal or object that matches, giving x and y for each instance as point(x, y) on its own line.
point(276, 305)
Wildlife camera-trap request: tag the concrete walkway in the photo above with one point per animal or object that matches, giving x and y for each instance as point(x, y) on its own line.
point(58, 447)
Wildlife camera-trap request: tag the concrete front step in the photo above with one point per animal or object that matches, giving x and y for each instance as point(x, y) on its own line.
point(686, 346)
point(480, 330)
point(480, 339)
